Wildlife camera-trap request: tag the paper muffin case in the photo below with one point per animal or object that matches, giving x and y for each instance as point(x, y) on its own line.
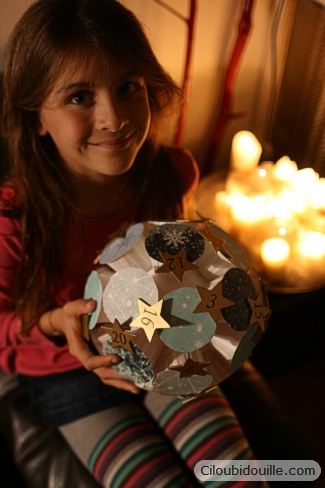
point(179, 303)
point(127, 251)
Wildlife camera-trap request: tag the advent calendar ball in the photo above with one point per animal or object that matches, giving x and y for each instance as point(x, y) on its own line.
point(178, 302)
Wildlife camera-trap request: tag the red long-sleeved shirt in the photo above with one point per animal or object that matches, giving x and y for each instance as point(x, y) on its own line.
point(36, 354)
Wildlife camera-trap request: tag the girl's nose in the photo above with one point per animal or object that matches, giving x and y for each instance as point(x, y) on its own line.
point(110, 114)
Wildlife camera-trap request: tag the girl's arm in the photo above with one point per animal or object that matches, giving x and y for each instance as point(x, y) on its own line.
point(15, 349)
point(10, 326)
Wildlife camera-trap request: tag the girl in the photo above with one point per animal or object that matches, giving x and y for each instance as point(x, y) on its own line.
point(84, 101)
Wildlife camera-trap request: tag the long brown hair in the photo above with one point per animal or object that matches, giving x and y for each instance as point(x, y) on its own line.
point(44, 45)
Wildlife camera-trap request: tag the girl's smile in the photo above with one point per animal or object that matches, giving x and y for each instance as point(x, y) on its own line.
point(97, 126)
point(114, 142)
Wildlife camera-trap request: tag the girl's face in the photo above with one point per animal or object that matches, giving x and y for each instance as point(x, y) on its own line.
point(97, 125)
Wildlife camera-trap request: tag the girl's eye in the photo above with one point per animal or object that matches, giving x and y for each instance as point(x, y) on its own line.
point(130, 87)
point(81, 98)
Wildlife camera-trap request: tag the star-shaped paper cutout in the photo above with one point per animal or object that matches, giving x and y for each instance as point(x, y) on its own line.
point(212, 301)
point(190, 368)
point(120, 337)
point(149, 318)
point(176, 264)
point(260, 311)
point(217, 243)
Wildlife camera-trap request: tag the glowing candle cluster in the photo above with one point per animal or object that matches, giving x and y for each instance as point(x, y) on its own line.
point(276, 212)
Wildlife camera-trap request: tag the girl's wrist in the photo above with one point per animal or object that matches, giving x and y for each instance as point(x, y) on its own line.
point(54, 331)
point(46, 325)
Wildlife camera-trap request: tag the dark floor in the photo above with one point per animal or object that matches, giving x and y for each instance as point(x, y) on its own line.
point(291, 356)
point(301, 393)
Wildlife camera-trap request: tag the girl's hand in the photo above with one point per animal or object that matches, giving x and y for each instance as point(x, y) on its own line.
point(66, 321)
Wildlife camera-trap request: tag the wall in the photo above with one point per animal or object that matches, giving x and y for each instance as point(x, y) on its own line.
point(299, 122)
point(216, 31)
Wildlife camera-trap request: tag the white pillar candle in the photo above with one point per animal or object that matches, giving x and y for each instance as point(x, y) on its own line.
point(248, 219)
point(310, 256)
point(312, 245)
point(275, 253)
point(305, 179)
point(247, 212)
point(318, 200)
point(245, 151)
point(284, 169)
point(304, 184)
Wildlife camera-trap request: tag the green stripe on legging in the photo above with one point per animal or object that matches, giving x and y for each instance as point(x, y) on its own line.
point(173, 407)
point(137, 459)
point(200, 436)
point(110, 434)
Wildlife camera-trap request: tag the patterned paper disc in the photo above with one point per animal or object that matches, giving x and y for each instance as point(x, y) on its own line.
point(93, 290)
point(170, 383)
point(173, 238)
point(238, 255)
point(238, 287)
point(189, 331)
point(134, 367)
point(121, 245)
point(120, 297)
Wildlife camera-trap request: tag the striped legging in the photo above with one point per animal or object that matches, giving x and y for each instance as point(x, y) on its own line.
point(159, 445)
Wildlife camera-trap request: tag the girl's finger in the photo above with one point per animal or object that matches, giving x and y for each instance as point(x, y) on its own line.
point(79, 307)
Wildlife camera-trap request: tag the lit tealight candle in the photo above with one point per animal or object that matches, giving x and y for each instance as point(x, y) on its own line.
point(245, 151)
point(275, 253)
